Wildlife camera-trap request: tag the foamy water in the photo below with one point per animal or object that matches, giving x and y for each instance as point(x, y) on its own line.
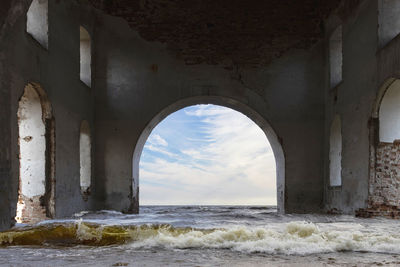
point(195, 232)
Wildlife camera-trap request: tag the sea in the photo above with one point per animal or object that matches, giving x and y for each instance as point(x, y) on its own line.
point(203, 236)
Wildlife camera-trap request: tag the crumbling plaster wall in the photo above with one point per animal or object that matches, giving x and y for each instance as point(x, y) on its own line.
point(23, 60)
point(353, 100)
point(137, 79)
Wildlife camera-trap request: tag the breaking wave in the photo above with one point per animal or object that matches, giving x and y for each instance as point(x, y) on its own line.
point(294, 238)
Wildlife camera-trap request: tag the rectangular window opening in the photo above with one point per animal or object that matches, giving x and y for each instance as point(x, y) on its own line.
point(388, 20)
point(336, 57)
point(37, 21)
point(85, 57)
point(335, 153)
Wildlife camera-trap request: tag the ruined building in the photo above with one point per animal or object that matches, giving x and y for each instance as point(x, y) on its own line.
point(83, 83)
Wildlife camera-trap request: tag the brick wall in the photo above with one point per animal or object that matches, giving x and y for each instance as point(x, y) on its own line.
point(384, 186)
point(229, 32)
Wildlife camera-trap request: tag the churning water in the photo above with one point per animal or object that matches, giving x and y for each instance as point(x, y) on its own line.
point(203, 236)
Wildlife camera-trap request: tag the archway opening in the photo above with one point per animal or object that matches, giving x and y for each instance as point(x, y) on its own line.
point(36, 157)
point(210, 155)
point(384, 189)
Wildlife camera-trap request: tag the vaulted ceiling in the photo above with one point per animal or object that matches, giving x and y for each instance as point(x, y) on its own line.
point(243, 32)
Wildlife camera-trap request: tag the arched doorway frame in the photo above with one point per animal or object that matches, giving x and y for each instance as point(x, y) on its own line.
point(374, 139)
point(381, 94)
point(49, 123)
point(374, 130)
point(221, 101)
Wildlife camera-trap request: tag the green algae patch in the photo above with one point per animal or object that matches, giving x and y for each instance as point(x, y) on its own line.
point(84, 233)
point(39, 235)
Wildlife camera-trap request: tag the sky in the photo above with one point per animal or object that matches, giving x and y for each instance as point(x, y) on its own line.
point(207, 155)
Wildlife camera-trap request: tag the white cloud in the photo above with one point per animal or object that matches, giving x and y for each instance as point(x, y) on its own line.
point(156, 139)
point(236, 166)
point(159, 150)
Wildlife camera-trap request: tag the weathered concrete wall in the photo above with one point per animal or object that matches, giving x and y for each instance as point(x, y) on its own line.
point(24, 60)
point(5, 153)
point(7, 20)
point(137, 79)
point(369, 162)
point(352, 100)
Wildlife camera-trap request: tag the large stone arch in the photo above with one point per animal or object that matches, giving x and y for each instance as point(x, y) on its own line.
point(222, 101)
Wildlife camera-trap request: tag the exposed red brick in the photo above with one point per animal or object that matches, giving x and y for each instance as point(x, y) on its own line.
point(33, 209)
point(231, 32)
point(384, 197)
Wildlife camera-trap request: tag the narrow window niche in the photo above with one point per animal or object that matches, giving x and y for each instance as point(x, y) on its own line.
point(335, 153)
point(36, 158)
point(336, 57)
point(85, 57)
point(37, 21)
point(85, 158)
point(388, 20)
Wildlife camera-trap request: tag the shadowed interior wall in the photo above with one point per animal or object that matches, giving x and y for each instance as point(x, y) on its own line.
point(5, 130)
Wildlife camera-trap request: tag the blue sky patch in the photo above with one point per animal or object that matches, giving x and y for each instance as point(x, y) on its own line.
point(207, 155)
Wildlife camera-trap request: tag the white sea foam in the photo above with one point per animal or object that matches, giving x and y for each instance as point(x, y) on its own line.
point(80, 214)
point(246, 230)
point(84, 232)
point(294, 238)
